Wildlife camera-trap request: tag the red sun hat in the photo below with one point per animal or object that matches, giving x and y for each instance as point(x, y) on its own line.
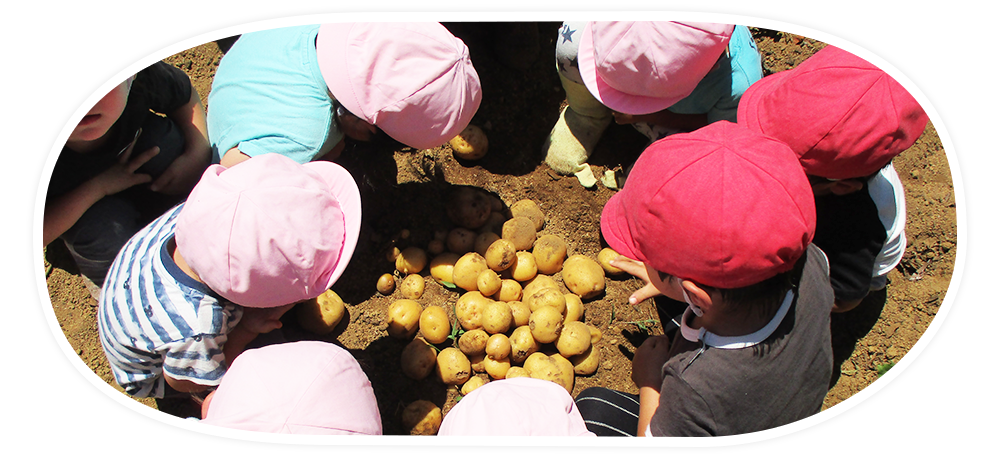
point(269, 231)
point(414, 81)
point(845, 117)
point(642, 67)
point(723, 206)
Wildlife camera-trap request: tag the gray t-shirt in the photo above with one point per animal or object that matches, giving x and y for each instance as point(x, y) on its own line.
point(710, 391)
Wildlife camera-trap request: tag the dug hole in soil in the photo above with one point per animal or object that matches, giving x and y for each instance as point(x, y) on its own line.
point(406, 189)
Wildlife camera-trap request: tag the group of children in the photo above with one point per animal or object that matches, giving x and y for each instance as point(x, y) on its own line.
point(765, 204)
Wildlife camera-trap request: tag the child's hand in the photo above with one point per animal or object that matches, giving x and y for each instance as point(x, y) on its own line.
point(122, 175)
point(263, 320)
point(647, 364)
point(624, 118)
point(185, 170)
point(638, 270)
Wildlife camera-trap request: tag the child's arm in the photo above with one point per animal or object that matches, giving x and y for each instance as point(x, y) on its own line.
point(666, 118)
point(188, 167)
point(64, 211)
point(647, 367)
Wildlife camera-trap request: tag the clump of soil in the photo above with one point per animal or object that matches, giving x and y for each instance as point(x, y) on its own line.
point(403, 188)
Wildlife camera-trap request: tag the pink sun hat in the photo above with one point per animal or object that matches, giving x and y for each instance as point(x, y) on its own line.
point(643, 67)
point(304, 387)
point(270, 231)
point(723, 206)
point(845, 117)
point(414, 81)
point(515, 407)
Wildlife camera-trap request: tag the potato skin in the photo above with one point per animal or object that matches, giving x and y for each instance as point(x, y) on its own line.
point(434, 324)
point(520, 231)
point(470, 144)
point(411, 260)
point(418, 359)
point(473, 342)
point(402, 318)
point(443, 267)
point(496, 368)
point(604, 258)
point(498, 346)
point(529, 209)
point(587, 362)
point(467, 270)
point(422, 417)
point(547, 297)
point(453, 367)
point(522, 344)
point(412, 286)
point(574, 339)
point(497, 317)
point(549, 252)
point(488, 282)
point(469, 310)
point(553, 368)
point(460, 240)
point(523, 269)
point(501, 255)
point(322, 314)
point(386, 284)
point(545, 324)
point(583, 276)
point(574, 308)
point(520, 313)
point(473, 383)
point(483, 242)
point(510, 291)
point(468, 206)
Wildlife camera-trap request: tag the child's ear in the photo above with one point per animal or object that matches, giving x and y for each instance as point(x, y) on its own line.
point(698, 296)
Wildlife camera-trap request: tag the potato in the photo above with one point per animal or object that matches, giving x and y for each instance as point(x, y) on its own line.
point(422, 417)
point(435, 247)
point(549, 252)
point(488, 282)
point(470, 144)
point(574, 339)
point(418, 359)
point(386, 284)
point(522, 344)
point(604, 258)
point(595, 334)
point(453, 367)
point(510, 291)
point(412, 286)
point(519, 312)
point(468, 206)
point(545, 324)
point(501, 255)
point(473, 342)
point(411, 260)
point(550, 297)
point(495, 222)
point(553, 368)
point(483, 242)
point(443, 267)
point(498, 346)
point(434, 324)
point(520, 231)
point(583, 276)
point(537, 283)
point(469, 309)
point(516, 371)
point(473, 383)
point(402, 318)
point(322, 314)
point(529, 209)
point(497, 317)
point(476, 362)
point(574, 308)
point(496, 368)
point(392, 254)
point(587, 362)
point(467, 269)
point(460, 240)
point(524, 268)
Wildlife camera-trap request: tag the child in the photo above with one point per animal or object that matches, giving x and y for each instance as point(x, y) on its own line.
point(662, 77)
point(846, 119)
point(519, 406)
point(94, 201)
point(188, 292)
point(303, 387)
point(721, 218)
point(300, 90)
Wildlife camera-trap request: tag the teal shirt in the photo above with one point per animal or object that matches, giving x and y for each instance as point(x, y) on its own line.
point(268, 95)
point(718, 94)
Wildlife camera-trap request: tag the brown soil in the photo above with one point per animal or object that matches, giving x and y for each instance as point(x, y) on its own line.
point(404, 188)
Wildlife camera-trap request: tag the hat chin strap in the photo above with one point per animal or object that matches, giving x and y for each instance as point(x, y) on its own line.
point(734, 342)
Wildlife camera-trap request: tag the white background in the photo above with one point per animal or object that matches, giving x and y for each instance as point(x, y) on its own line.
point(82, 42)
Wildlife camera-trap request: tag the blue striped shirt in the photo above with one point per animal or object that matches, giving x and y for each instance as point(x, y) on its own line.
point(154, 319)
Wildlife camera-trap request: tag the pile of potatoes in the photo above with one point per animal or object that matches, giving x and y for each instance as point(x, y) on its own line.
point(513, 319)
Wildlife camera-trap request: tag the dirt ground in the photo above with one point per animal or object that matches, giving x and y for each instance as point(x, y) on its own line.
point(404, 188)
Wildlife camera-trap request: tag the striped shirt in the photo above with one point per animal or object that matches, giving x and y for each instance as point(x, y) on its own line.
point(154, 319)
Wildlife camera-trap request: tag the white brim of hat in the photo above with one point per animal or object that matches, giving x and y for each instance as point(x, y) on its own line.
point(345, 190)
